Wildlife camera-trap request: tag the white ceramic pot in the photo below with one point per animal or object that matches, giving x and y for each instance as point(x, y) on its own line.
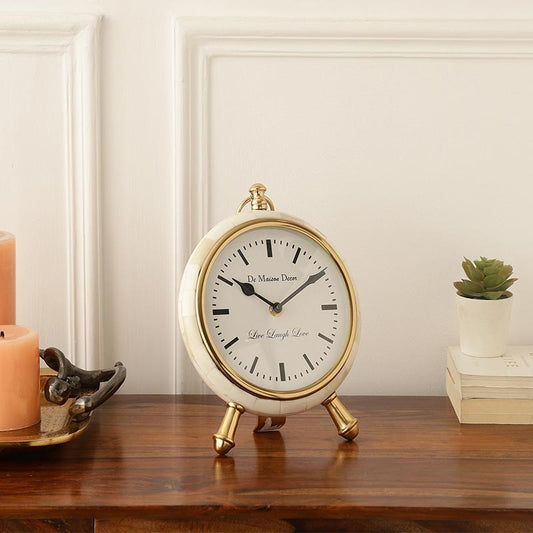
point(484, 325)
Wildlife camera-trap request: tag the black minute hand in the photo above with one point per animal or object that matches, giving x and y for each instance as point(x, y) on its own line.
point(311, 279)
point(248, 290)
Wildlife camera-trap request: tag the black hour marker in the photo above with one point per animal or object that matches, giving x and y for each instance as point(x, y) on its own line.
point(253, 365)
point(296, 256)
point(242, 257)
point(325, 338)
point(309, 362)
point(282, 371)
point(231, 343)
point(329, 307)
point(221, 311)
point(230, 283)
point(269, 247)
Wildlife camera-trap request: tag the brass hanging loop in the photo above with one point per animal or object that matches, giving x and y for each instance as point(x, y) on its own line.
point(258, 199)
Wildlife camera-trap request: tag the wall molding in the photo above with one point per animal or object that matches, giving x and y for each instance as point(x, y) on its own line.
point(199, 41)
point(76, 39)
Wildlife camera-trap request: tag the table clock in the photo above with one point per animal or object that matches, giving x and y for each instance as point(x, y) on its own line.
point(269, 318)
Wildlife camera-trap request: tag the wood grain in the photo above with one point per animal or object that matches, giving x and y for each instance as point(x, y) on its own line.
point(46, 526)
point(151, 458)
point(239, 524)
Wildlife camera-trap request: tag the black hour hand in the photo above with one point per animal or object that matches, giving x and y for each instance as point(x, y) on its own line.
point(249, 290)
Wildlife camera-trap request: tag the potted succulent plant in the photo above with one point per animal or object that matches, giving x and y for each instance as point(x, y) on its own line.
point(484, 307)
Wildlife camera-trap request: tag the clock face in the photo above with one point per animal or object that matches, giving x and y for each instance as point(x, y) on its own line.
point(276, 310)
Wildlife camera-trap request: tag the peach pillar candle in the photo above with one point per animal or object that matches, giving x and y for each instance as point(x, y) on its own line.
point(7, 278)
point(19, 377)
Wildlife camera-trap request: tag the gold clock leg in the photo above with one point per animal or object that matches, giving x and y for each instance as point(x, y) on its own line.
point(223, 439)
point(347, 425)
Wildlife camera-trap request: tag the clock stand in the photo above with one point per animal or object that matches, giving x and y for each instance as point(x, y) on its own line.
point(224, 439)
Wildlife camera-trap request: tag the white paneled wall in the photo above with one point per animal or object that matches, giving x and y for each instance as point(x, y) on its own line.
point(401, 130)
point(49, 167)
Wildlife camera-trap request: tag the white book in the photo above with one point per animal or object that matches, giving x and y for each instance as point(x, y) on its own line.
point(482, 390)
point(508, 376)
point(489, 410)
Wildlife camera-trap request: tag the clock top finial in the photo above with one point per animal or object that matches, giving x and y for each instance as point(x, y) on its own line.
point(257, 191)
point(258, 199)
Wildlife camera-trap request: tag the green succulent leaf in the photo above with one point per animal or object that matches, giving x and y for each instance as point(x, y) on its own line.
point(497, 295)
point(507, 284)
point(493, 295)
point(494, 281)
point(474, 273)
point(465, 288)
point(475, 286)
point(494, 268)
point(507, 270)
point(480, 263)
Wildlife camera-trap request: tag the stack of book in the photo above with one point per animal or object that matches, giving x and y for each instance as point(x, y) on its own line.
point(491, 390)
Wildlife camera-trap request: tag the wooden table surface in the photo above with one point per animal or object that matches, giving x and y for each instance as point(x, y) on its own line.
point(150, 459)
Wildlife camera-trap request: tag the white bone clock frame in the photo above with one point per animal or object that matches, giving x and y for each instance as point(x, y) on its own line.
point(271, 372)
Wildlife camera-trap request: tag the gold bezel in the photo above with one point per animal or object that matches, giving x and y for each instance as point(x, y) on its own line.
point(206, 336)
